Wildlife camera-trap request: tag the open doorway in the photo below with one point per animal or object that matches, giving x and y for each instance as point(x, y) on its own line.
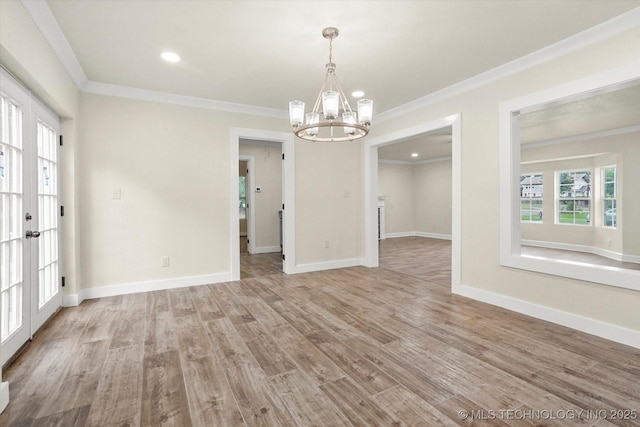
point(414, 205)
point(260, 207)
point(288, 258)
point(439, 157)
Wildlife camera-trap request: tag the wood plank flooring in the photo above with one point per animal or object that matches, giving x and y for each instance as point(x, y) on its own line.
point(389, 346)
point(258, 265)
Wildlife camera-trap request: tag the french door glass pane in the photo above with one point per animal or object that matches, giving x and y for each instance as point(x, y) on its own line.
point(47, 214)
point(11, 190)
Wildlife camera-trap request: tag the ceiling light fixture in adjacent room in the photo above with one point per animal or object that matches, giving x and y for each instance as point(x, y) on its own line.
point(332, 118)
point(170, 57)
point(414, 154)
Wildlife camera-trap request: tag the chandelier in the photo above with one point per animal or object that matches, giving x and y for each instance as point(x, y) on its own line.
point(332, 118)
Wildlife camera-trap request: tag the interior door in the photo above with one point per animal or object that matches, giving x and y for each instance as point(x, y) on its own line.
point(29, 245)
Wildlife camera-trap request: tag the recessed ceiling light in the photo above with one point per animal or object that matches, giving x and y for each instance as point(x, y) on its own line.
point(414, 154)
point(170, 57)
point(357, 94)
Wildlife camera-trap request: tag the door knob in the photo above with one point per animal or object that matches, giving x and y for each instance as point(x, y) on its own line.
point(32, 234)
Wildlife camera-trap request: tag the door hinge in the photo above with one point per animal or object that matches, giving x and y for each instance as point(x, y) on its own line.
point(248, 241)
point(61, 210)
point(60, 140)
point(283, 206)
point(64, 280)
point(283, 257)
point(282, 156)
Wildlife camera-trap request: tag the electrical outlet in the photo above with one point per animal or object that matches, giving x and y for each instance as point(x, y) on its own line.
point(164, 261)
point(326, 243)
point(116, 194)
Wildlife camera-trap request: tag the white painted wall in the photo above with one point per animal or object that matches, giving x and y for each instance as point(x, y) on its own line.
point(433, 197)
point(396, 183)
point(329, 203)
point(481, 273)
point(267, 175)
point(417, 197)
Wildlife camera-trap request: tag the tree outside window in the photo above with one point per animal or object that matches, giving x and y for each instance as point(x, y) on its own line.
point(609, 199)
point(531, 198)
point(574, 197)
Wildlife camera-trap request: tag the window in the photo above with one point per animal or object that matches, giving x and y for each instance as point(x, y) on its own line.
point(243, 197)
point(531, 198)
point(609, 194)
point(574, 197)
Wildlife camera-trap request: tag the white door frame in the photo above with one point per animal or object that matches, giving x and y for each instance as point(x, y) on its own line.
point(371, 189)
point(288, 196)
point(33, 316)
point(251, 201)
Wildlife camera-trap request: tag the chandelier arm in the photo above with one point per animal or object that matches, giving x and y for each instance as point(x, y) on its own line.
point(343, 99)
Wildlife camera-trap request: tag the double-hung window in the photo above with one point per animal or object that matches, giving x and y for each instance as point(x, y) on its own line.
point(531, 198)
point(574, 197)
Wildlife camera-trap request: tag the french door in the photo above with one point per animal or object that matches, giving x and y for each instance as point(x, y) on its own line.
point(29, 224)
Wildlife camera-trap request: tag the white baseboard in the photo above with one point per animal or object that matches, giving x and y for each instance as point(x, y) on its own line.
point(433, 235)
point(418, 234)
point(400, 234)
point(583, 248)
point(71, 300)
point(599, 328)
point(147, 286)
point(4, 396)
point(328, 265)
point(266, 249)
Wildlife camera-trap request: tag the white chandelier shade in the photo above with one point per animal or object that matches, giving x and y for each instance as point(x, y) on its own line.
point(331, 118)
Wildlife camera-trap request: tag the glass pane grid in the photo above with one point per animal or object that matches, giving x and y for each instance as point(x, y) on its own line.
point(11, 199)
point(47, 214)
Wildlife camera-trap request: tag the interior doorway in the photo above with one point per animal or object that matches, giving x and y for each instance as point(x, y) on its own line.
point(270, 208)
point(371, 187)
point(261, 190)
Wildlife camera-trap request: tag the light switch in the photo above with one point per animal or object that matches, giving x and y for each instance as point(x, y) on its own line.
point(116, 194)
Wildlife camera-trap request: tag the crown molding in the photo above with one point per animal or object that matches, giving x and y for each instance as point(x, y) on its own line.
point(47, 24)
point(582, 137)
point(188, 101)
point(413, 163)
point(618, 25)
point(45, 21)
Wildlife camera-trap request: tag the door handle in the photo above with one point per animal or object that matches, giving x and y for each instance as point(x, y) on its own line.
point(32, 234)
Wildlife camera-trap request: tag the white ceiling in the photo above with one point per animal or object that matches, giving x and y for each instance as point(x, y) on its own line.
point(605, 111)
point(265, 53)
point(434, 145)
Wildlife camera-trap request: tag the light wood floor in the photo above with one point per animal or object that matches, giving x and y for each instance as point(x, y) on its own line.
point(388, 346)
point(258, 265)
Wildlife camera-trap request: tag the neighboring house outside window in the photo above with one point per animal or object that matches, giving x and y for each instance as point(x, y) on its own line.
point(574, 197)
point(531, 198)
point(609, 197)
